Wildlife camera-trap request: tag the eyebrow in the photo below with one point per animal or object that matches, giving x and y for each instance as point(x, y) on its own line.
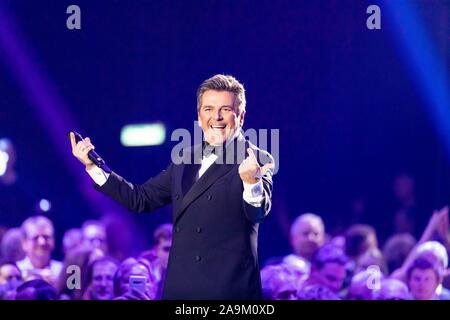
point(224, 106)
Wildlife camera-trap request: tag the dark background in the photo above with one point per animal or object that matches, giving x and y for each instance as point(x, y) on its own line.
point(347, 100)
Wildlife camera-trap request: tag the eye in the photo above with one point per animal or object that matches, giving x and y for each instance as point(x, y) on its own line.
point(226, 109)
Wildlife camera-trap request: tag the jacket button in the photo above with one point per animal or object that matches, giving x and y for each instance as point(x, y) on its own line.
point(199, 229)
point(177, 196)
point(177, 229)
point(198, 258)
point(209, 197)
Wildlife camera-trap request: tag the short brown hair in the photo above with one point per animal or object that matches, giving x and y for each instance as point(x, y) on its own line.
point(222, 82)
point(423, 264)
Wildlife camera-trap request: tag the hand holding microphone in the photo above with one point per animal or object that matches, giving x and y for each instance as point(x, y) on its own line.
point(83, 150)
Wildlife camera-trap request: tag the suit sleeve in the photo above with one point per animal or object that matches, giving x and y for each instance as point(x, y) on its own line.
point(153, 194)
point(258, 214)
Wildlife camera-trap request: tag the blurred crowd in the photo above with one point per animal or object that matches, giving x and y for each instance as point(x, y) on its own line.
point(348, 265)
point(88, 271)
point(352, 266)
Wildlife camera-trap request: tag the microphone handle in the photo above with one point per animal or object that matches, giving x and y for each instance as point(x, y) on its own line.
point(92, 155)
point(95, 158)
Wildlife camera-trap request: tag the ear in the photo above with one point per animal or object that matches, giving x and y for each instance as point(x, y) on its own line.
point(25, 245)
point(241, 119)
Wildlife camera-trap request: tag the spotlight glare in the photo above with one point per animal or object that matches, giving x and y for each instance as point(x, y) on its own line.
point(4, 157)
point(147, 134)
point(45, 205)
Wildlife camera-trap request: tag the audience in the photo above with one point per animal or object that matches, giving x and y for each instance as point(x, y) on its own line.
point(391, 289)
point(363, 284)
point(93, 234)
point(81, 258)
point(307, 235)
point(279, 282)
point(72, 239)
point(349, 266)
point(328, 269)
point(37, 289)
point(38, 244)
point(134, 267)
point(396, 250)
point(11, 245)
point(10, 279)
point(100, 279)
point(423, 278)
point(158, 255)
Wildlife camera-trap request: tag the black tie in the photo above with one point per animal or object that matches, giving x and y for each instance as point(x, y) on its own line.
point(208, 150)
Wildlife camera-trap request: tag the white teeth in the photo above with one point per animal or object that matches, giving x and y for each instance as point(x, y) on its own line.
point(218, 127)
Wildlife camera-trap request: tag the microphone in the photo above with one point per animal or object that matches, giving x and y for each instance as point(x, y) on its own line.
point(92, 155)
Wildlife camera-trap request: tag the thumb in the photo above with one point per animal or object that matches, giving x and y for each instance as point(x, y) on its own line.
point(251, 154)
point(72, 139)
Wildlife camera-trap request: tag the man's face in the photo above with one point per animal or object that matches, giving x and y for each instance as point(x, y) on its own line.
point(423, 283)
point(219, 116)
point(332, 275)
point(163, 250)
point(102, 280)
point(39, 242)
point(307, 238)
point(94, 237)
point(9, 273)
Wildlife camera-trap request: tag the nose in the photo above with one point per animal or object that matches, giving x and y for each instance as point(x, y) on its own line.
point(104, 282)
point(217, 115)
point(41, 240)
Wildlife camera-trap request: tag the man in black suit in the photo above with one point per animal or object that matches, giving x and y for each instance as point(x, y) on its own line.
point(218, 199)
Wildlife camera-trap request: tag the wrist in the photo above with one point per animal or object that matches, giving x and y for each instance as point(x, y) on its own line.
point(251, 180)
point(90, 166)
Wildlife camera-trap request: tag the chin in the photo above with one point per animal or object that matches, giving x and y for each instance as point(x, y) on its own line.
point(42, 255)
point(216, 141)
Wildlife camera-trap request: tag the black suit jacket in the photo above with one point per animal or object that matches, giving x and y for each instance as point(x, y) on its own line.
point(214, 247)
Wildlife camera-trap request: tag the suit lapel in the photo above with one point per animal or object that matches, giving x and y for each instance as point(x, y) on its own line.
point(191, 158)
point(212, 174)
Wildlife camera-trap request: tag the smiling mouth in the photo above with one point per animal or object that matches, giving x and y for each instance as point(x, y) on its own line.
point(217, 128)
